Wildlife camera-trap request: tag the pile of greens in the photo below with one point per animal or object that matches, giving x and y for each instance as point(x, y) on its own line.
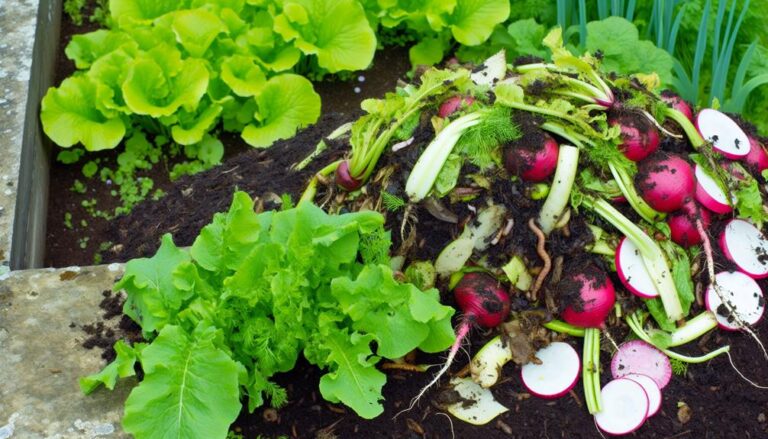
point(253, 293)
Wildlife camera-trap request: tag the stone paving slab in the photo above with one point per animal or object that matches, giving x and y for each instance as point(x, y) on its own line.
point(18, 20)
point(41, 357)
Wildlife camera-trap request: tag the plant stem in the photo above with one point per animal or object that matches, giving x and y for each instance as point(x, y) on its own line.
point(560, 193)
point(564, 328)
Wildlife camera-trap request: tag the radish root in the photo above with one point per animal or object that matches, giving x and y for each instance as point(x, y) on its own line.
point(460, 335)
point(707, 245)
point(542, 252)
point(752, 383)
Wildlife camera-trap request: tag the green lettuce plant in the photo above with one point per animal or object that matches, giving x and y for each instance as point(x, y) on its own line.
point(253, 293)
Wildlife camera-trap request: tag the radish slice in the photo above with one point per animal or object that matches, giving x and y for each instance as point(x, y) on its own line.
point(639, 357)
point(725, 134)
point(709, 194)
point(632, 271)
point(742, 293)
point(746, 247)
point(625, 407)
point(557, 373)
point(477, 405)
point(651, 390)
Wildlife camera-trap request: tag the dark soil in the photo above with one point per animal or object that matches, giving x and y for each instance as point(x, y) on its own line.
point(719, 403)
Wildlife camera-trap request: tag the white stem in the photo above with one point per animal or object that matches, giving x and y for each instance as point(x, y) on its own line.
point(430, 163)
point(560, 193)
point(693, 329)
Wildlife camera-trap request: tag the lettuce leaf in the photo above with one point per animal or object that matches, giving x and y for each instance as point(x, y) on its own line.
point(337, 31)
point(253, 293)
point(286, 103)
point(70, 115)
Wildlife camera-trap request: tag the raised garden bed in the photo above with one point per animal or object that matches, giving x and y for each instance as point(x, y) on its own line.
point(708, 400)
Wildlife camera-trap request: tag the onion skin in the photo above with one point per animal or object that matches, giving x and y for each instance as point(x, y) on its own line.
point(453, 104)
point(637, 142)
point(665, 182)
point(682, 224)
point(534, 163)
point(344, 179)
point(482, 299)
point(597, 297)
point(677, 103)
point(757, 159)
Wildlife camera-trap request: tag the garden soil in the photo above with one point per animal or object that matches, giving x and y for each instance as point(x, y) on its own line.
point(708, 401)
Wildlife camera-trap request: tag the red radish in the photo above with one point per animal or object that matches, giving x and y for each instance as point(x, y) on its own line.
point(484, 301)
point(677, 103)
point(725, 134)
point(665, 181)
point(744, 300)
point(651, 390)
point(745, 246)
point(682, 224)
point(532, 162)
point(639, 357)
point(709, 193)
point(453, 104)
point(757, 159)
point(639, 138)
point(594, 299)
point(625, 407)
point(344, 179)
point(632, 272)
point(556, 375)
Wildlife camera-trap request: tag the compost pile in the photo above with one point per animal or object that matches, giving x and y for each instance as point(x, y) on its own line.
point(549, 203)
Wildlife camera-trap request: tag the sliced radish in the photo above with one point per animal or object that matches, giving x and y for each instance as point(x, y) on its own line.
point(477, 405)
point(726, 135)
point(744, 296)
point(557, 373)
point(632, 271)
point(746, 246)
point(625, 407)
point(639, 357)
point(709, 194)
point(651, 390)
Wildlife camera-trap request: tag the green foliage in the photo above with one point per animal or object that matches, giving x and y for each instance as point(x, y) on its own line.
point(679, 368)
point(253, 293)
point(623, 51)
point(74, 9)
point(392, 202)
point(480, 142)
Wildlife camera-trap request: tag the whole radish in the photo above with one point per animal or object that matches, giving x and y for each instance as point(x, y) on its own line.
point(483, 301)
point(344, 179)
point(682, 224)
point(677, 103)
point(589, 297)
point(639, 138)
point(665, 181)
point(533, 158)
point(757, 159)
point(453, 104)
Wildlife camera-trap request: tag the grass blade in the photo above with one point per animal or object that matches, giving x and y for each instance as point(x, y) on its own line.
point(672, 41)
point(630, 14)
point(583, 23)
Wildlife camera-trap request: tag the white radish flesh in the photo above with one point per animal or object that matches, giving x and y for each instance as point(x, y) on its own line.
point(477, 405)
point(493, 70)
point(625, 407)
point(632, 272)
point(709, 193)
point(743, 297)
point(651, 390)
point(639, 357)
point(556, 375)
point(725, 134)
point(746, 247)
